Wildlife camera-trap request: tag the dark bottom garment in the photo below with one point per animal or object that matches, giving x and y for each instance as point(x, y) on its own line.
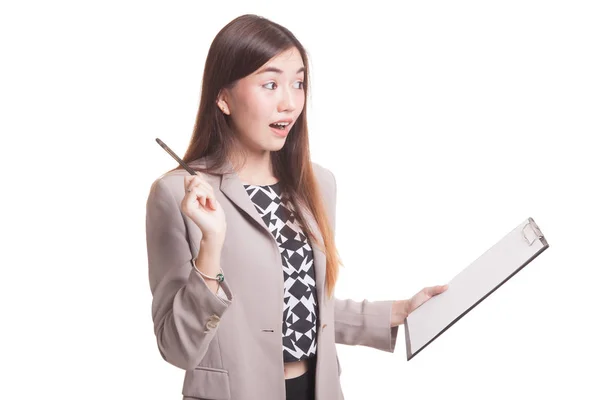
point(302, 387)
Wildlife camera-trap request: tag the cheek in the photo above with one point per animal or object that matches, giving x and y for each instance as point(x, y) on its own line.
point(300, 97)
point(264, 107)
point(253, 115)
point(258, 107)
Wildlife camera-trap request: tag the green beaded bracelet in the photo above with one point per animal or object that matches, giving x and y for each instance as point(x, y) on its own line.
point(220, 277)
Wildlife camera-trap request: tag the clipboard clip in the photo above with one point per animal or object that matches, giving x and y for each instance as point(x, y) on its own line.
point(531, 232)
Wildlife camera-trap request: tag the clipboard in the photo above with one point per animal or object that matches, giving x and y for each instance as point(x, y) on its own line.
point(472, 285)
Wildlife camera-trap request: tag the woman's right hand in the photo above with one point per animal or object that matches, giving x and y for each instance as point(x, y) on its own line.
point(201, 206)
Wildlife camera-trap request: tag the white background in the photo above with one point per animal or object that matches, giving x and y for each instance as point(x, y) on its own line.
point(445, 123)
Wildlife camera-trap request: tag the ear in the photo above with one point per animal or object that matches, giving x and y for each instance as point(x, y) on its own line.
point(222, 102)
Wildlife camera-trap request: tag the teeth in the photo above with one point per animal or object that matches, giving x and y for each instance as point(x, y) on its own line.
point(281, 123)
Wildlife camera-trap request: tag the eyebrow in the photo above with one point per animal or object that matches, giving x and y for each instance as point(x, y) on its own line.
point(277, 70)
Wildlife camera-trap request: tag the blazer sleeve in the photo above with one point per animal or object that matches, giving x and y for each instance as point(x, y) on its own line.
point(185, 311)
point(365, 323)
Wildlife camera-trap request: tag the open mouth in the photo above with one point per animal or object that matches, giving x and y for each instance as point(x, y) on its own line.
point(280, 125)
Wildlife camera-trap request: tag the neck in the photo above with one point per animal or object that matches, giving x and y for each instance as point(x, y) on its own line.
point(254, 168)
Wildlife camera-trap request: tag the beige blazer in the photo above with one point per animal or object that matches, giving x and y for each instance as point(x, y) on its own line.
point(232, 348)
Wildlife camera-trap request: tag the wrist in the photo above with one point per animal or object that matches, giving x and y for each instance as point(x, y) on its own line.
point(214, 242)
point(209, 257)
point(399, 312)
point(208, 264)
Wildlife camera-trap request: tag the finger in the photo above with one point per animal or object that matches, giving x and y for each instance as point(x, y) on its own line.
point(188, 178)
point(206, 197)
point(197, 194)
point(193, 184)
point(435, 290)
point(207, 187)
point(209, 192)
point(210, 201)
point(198, 181)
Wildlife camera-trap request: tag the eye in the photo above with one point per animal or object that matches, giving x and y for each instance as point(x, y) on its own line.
point(270, 87)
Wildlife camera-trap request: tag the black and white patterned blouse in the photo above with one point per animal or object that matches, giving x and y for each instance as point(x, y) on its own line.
point(299, 289)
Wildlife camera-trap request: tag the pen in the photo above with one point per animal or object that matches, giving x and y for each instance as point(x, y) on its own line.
point(179, 160)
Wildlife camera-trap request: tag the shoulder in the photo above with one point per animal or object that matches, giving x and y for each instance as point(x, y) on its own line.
point(324, 175)
point(172, 182)
point(326, 180)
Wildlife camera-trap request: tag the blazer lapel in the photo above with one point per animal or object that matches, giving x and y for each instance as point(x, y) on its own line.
point(233, 188)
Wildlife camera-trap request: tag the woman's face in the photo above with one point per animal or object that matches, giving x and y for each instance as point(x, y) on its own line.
point(273, 93)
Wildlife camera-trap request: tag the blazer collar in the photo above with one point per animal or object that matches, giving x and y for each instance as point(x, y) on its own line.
point(231, 185)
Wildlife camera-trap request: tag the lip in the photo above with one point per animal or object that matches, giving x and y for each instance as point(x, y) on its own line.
point(290, 120)
point(282, 132)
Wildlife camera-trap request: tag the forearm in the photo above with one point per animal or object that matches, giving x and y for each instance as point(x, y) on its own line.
point(185, 312)
point(186, 325)
point(209, 261)
point(365, 323)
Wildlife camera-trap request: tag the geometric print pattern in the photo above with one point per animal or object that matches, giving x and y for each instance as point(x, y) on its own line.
point(300, 311)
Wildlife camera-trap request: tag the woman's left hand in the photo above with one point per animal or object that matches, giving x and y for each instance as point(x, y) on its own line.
point(402, 308)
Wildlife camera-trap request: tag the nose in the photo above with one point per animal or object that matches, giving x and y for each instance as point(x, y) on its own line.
point(287, 101)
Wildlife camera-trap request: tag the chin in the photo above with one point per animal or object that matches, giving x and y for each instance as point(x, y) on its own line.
point(277, 146)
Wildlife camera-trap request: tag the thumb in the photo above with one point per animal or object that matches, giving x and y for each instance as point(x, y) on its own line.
point(438, 289)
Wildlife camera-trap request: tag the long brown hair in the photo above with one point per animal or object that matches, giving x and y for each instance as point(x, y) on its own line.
point(240, 48)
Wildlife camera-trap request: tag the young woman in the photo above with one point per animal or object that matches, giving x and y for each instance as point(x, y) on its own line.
point(242, 257)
